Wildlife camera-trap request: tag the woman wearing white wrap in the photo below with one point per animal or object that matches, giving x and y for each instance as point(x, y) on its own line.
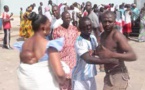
point(40, 67)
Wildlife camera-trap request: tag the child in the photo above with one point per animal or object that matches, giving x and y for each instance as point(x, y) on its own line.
point(83, 76)
point(6, 26)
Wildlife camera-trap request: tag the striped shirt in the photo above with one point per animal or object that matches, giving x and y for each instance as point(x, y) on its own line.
point(83, 70)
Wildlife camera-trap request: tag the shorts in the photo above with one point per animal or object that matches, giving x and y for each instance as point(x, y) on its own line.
point(117, 81)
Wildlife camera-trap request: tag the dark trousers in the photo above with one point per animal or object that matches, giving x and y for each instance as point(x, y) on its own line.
point(6, 40)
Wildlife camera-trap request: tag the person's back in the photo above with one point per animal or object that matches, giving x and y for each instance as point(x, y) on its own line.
point(28, 56)
point(37, 54)
point(37, 48)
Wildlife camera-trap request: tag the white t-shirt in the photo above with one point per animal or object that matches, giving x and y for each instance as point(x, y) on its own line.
point(48, 15)
point(35, 10)
point(83, 70)
point(56, 22)
point(76, 10)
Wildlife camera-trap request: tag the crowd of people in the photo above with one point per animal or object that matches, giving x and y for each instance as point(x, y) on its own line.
point(63, 44)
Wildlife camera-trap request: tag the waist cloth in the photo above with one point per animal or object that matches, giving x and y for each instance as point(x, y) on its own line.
point(38, 76)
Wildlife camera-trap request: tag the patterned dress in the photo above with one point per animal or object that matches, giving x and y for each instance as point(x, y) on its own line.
point(25, 27)
point(67, 54)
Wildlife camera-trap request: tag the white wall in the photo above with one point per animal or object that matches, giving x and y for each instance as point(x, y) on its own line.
point(15, 5)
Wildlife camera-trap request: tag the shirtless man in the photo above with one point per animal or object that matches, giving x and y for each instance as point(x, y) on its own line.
point(114, 45)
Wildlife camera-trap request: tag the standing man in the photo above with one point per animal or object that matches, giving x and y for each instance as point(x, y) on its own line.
point(95, 24)
point(114, 46)
point(94, 19)
point(134, 14)
point(68, 54)
point(56, 21)
point(40, 9)
point(50, 6)
point(6, 26)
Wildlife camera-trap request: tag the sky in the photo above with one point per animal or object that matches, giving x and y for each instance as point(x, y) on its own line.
point(15, 5)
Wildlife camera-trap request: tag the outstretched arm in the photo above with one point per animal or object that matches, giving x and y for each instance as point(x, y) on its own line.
point(96, 60)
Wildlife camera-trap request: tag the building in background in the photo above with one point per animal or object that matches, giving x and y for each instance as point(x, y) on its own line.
point(15, 5)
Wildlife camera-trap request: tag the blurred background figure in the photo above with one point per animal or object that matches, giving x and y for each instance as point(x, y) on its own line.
point(141, 37)
point(6, 27)
point(21, 14)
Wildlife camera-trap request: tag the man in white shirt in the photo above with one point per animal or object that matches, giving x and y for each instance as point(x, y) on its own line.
point(56, 21)
point(84, 72)
point(35, 9)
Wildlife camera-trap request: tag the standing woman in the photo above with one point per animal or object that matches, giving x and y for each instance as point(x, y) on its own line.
point(40, 67)
point(25, 26)
point(127, 24)
point(141, 37)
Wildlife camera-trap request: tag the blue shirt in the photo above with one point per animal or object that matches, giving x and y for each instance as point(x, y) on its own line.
point(57, 44)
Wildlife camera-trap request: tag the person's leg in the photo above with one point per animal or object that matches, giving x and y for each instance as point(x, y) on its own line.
point(9, 38)
point(117, 81)
point(107, 84)
point(4, 39)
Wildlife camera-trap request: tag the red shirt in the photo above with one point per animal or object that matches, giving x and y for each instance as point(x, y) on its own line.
point(6, 25)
